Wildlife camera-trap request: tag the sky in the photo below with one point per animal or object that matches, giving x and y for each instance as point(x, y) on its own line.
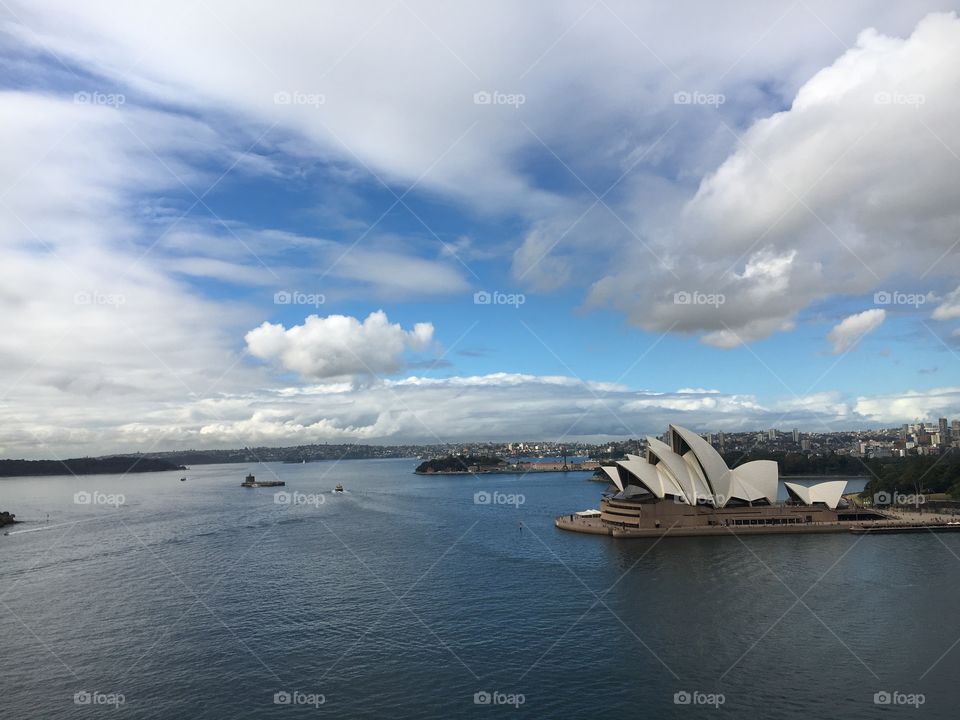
point(228, 224)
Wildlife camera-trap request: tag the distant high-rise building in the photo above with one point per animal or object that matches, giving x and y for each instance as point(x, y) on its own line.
point(721, 439)
point(944, 432)
point(772, 434)
point(796, 435)
point(955, 428)
point(904, 432)
point(710, 438)
point(805, 444)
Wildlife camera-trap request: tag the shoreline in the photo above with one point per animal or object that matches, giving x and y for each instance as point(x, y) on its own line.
point(502, 472)
point(595, 526)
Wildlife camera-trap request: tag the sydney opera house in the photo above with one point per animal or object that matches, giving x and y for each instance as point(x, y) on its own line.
point(684, 487)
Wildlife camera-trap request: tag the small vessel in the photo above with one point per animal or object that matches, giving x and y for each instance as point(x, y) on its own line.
point(338, 488)
point(251, 482)
point(183, 479)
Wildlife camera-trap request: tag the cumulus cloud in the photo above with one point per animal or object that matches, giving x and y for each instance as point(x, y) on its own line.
point(949, 308)
point(812, 201)
point(850, 330)
point(910, 406)
point(338, 345)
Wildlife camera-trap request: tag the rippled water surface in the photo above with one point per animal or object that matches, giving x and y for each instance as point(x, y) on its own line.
point(404, 598)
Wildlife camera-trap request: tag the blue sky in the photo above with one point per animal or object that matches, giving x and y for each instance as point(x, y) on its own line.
point(793, 166)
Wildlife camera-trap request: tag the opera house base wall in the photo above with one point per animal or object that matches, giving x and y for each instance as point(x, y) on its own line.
point(630, 519)
point(594, 526)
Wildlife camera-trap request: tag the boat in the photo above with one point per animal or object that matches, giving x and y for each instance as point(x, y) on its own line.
point(338, 488)
point(183, 479)
point(251, 482)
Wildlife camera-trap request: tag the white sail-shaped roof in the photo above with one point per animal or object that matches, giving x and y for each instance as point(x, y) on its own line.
point(700, 483)
point(716, 470)
point(761, 476)
point(644, 473)
point(828, 492)
point(614, 475)
point(700, 473)
point(676, 468)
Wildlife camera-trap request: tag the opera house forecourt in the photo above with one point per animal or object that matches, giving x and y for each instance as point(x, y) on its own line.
point(683, 487)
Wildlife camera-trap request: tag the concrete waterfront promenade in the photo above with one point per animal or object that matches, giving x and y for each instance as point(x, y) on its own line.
point(595, 526)
point(905, 522)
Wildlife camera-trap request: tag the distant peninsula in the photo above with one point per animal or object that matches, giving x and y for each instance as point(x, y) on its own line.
point(459, 464)
point(118, 465)
point(484, 464)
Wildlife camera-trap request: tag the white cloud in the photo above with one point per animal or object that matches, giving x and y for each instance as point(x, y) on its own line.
point(812, 202)
point(406, 410)
point(338, 345)
point(850, 330)
point(949, 308)
point(910, 406)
